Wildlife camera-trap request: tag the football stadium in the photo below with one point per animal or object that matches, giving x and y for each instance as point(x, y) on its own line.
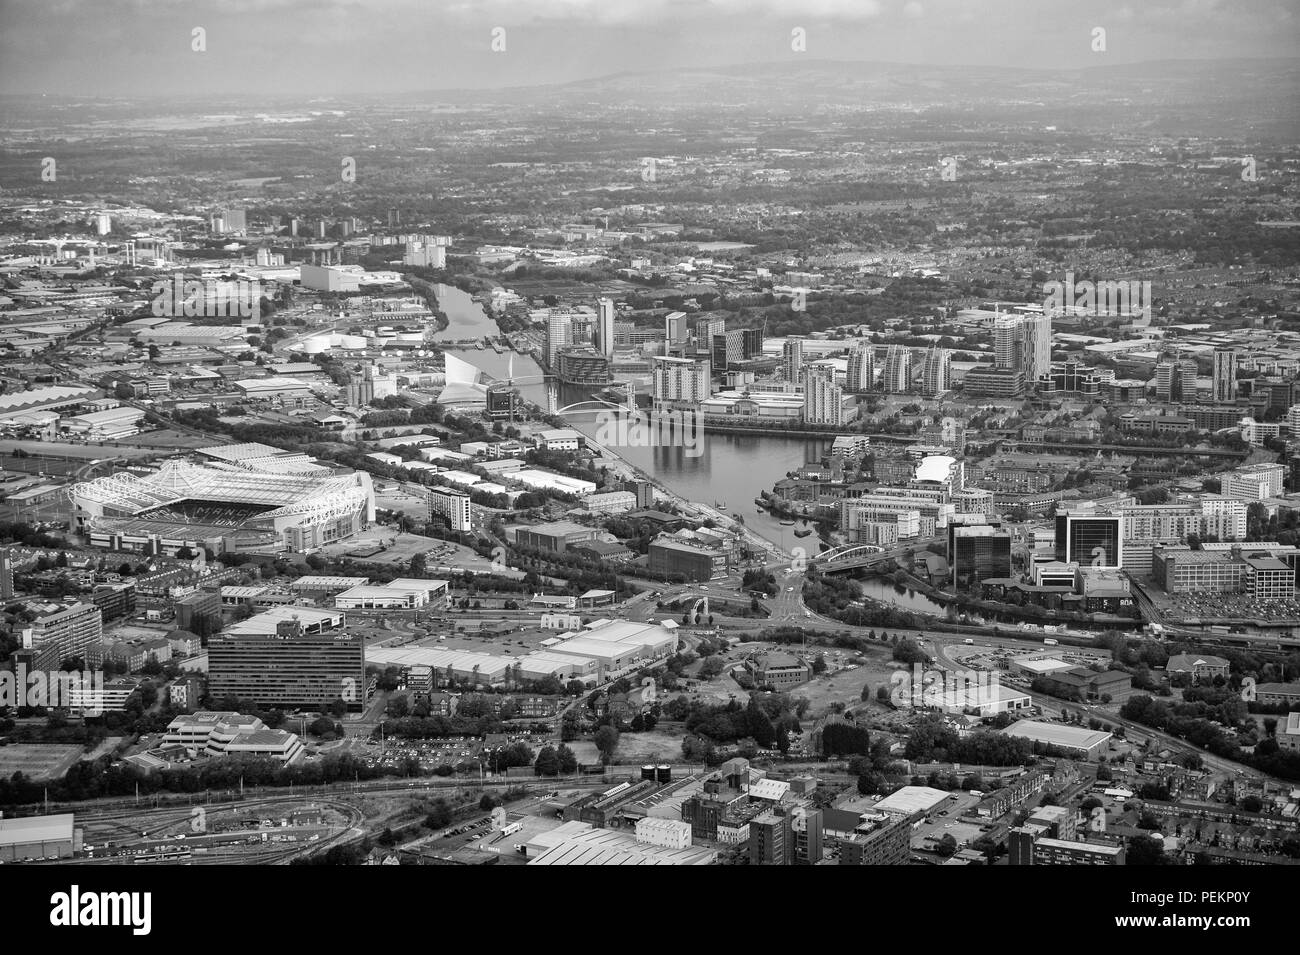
point(222, 507)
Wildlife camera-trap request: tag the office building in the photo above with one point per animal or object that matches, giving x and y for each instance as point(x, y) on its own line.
point(986, 382)
point(452, 505)
point(778, 670)
point(695, 562)
point(1225, 375)
point(604, 337)
point(500, 401)
point(1089, 539)
point(289, 669)
point(1253, 482)
point(979, 553)
point(936, 372)
point(736, 346)
point(897, 377)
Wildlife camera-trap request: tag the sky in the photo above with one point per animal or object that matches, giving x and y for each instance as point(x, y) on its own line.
point(332, 47)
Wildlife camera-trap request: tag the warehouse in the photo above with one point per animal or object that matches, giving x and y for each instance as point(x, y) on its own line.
point(1084, 743)
point(910, 800)
point(540, 665)
point(579, 843)
point(267, 622)
point(435, 591)
point(464, 665)
point(110, 425)
point(38, 837)
point(371, 597)
point(612, 657)
point(652, 639)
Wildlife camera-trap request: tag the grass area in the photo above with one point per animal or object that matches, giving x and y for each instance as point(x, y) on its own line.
point(38, 761)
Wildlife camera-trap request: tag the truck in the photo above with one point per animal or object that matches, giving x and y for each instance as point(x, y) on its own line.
point(969, 642)
point(1050, 642)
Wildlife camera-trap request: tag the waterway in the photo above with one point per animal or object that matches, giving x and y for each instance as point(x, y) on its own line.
point(466, 317)
point(729, 469)
point(885, 591)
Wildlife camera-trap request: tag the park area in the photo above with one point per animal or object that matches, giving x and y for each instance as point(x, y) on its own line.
point(40, 762)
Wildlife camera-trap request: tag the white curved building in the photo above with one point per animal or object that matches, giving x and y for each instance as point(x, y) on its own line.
point(222, 508)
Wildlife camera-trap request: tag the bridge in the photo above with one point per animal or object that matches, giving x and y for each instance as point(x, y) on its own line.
point(852, 556)
point(578, 407)
point(849, 556)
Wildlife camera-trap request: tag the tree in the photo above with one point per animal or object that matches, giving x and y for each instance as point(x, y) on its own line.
point(947, 845)
point(606, 740)
point(759, 725)
point(548, 762)
point(1145, 851)
point(568, 762)
point(819, 664)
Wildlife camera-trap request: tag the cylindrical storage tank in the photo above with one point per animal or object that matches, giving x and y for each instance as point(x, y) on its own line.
point(315, 345)
point(648, 773)
point(351, 341)
point(664, 773)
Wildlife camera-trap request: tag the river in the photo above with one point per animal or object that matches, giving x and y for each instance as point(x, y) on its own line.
point(731, 469)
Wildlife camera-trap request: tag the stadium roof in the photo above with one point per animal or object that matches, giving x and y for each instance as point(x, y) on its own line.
point(178, 480)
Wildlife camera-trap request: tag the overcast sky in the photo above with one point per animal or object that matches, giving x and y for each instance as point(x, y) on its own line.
point(134, 47)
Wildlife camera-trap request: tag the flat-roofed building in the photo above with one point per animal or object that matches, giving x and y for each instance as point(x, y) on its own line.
point(435, 591)
point(1277, 694)
point(318, 585)
point(1029, 846)
point(885, 842)
point(1288, 732)
point(39, 837)
point(555, 537)
point(1088, 744)
point(453, 505)
point(380, 597)
point(289, 669)
point(1181, 570)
